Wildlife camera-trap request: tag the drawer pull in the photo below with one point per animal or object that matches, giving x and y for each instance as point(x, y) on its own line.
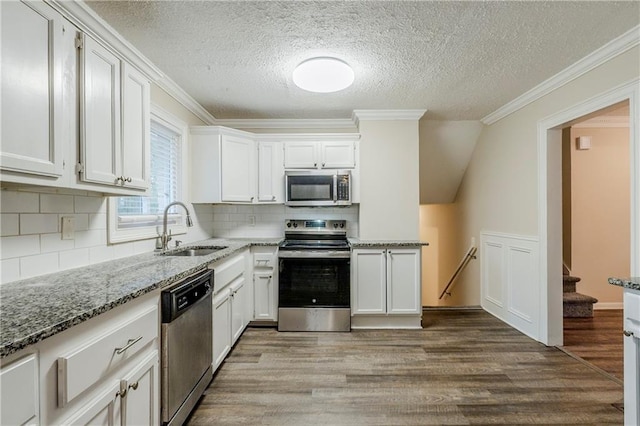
point(123, 389)
point(628, 333)
point(130, 343)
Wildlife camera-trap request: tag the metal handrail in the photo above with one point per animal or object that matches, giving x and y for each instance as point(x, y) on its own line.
point(471, 254)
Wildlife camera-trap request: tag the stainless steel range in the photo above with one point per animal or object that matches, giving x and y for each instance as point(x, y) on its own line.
point(315, 278)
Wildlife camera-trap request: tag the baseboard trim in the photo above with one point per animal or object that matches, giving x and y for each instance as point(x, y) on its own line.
point(452, 308)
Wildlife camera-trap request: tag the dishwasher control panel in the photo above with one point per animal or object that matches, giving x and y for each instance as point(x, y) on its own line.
point(178, 298)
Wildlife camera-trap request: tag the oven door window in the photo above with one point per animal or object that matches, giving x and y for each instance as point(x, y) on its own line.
point(306, 283)
point(310, 188)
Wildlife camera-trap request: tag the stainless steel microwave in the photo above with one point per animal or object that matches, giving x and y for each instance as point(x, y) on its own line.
point(318, 188)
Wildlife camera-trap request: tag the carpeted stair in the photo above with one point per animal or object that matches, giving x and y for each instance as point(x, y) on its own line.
point(574, 304)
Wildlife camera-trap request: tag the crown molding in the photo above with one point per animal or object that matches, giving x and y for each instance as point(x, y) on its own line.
point(304, 137)
point(387, 114)
point(219, 130)
point(337, 123)
point(178, 93)
point(604, 121)
point(92, 24)
point(596, 58)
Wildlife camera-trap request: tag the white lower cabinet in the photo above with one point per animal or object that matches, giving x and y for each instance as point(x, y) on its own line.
point(19, 392)
point(221, 327)
point(631, 327)
point(265, 283)
point(230, 299)
point(385, 287)
point(104, 371)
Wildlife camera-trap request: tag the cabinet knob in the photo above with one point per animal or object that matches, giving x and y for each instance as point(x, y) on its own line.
point(627, 333)
point(323, 164)
point(273, 198)
point(128, 180)
point(133, 385)
point(315, 164)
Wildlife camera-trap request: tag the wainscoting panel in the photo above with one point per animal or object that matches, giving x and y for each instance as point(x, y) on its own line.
point(509, 280)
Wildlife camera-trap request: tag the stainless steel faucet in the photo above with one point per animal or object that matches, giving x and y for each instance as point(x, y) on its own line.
point(163, 240)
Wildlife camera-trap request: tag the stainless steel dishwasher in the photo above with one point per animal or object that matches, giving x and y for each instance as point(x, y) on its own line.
point(187, 351)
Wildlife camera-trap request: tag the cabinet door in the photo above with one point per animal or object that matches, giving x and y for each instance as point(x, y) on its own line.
point(221, 327)
point(104, 410)
point(338, 155)
point(631, 326)
point(238, 309)
point(136, 124)
point(141, 405)
point(237, 169)
point(403, 281)
point(19, 392)
point(263, 296)
point(300, 155)
point(270, 173)
point(368, 282)
point(100, 126)
point(31, 90)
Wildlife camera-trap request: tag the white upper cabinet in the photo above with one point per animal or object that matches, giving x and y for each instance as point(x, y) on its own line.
point(115, 119)
point(101, 139)
point(237, 169)
point(136, 127)
point(31, 122)
point(270, 173)
point(319, 155)
point(229, 166)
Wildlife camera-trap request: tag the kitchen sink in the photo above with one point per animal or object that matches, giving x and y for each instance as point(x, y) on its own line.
point(193, 251)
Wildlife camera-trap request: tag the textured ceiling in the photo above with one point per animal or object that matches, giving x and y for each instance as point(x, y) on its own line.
point(458, 60)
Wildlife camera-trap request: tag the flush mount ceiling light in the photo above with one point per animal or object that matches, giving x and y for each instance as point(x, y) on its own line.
point(323, 75)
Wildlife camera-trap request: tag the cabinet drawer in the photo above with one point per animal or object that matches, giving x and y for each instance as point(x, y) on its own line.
point(632, 313)
point(87, 364)
point(264, 260)
point(227, 272)
point(19, 387)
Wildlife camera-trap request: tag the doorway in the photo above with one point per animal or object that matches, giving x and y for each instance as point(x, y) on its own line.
point(550, 199)
point(595, 231)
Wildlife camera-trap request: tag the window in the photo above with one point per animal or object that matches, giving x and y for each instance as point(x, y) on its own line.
point(136, 218)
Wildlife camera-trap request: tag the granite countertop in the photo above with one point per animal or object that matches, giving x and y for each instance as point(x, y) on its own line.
point(357, 243)
point(40, 307)
point(633, 283)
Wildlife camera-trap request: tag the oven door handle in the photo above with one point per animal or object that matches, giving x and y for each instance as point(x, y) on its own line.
point(311, 254)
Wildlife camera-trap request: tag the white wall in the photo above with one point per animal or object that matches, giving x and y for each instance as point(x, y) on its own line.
point(389, 171)
point(499, 190)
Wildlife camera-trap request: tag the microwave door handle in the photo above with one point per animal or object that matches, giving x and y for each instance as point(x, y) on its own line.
point(335, 187)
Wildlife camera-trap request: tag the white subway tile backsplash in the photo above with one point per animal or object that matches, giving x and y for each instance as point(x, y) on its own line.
point(32, 266)
point(22, 245)
point(54, 242)
point(19, 202)
point(9, 224)
point(101, 254)
point(74, 258)
point(38, 223)
point(97, 221)
point(91, 238)
point(90, 204)
point(9, 270)
point(55, 203)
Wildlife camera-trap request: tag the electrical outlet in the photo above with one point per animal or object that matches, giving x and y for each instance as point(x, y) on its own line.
point(68, 227)
point(252, 220)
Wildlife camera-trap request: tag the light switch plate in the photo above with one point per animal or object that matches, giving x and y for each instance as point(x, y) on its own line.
point(68, 227)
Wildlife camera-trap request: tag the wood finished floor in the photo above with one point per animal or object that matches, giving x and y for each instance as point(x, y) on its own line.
point(597, 340)
point(464, 367)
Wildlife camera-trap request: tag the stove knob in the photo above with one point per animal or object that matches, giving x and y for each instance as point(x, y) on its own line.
point(295, 225)
point(313, 300)
point(288, 224)
point(335, 225)
point(342, 225)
